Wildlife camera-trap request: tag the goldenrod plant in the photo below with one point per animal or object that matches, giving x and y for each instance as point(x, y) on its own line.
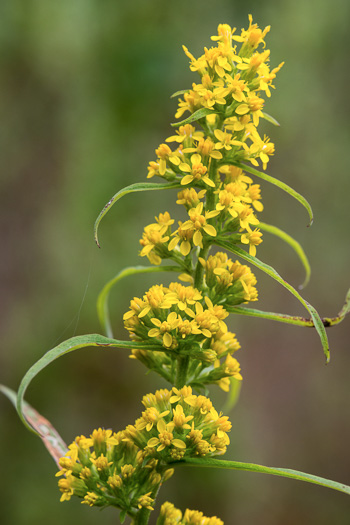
point(179, 331)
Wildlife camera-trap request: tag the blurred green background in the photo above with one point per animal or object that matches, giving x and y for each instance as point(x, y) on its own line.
point(85, 89)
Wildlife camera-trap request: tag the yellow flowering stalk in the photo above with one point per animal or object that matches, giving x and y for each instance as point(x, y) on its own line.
point(179, 331)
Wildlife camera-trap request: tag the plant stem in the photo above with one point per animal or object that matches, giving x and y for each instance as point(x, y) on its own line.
point(198, 276)
point(181, 372)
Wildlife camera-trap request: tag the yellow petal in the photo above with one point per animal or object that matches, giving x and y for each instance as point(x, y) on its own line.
point(178, 443)
point(185, 248)
point(210, 230)
point(167, 339)
point(197, 239)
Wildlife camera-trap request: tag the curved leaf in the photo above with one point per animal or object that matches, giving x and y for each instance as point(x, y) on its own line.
point(138, 186)
point(252, 467)
point(270, 119)
point(102, 300)
point(276, 182)
point(292, 319)
point(47, 433)
point(80, 341)
point(178, 93)
point(294, 244)
point(197, 115)
point(233, 395)
point(272, 273)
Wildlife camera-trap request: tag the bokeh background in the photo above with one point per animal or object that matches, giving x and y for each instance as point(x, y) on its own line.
point(85, 87)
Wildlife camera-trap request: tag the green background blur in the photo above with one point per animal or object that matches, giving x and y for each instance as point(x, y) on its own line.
point(85, 89)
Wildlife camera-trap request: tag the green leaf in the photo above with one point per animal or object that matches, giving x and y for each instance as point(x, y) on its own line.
point(102, 301)
point(197, 115)
point(80, 341)
point(276, 182)
point(252, 467)
point(138, 186)
point(47, 433)
point(272, 273)
point(292, 319)
point(270, 119)
point(178, 93)
point(233, 395)
point(252, 312)
point(294, 244)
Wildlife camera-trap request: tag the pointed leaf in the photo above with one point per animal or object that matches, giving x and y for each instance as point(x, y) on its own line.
point(138, 186)
point(251, 467)
point(178, 93)
point(81, 341)
point(276, 182)
point(272, 273)
point(270, 119)
point(48, 434)
point(197, 115)
point(294, 244)
point(102, 301)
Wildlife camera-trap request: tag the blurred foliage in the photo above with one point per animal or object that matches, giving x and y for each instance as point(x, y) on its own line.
point(85, 88)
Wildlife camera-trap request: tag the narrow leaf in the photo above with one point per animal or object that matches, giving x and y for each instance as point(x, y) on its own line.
point(292, 319)
point(272, 273)
point(138, 186)
point(81, 341)
point(197, 115)
point(294, 244)
point(102, 300)
point(276, 182)
point(270, 119)
point(48, 434)
point(233, 395)
point(251, 467)
point(178, 93)
point(252, 312)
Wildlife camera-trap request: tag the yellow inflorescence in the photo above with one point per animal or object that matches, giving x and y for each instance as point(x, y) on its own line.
point(178, 424)
point(106, 470)
point(181, 322)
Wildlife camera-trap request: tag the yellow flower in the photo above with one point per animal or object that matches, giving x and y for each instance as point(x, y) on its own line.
point(164, 153)
point(186, 133)
point(165, 437)
point(197, 171)
point(226, 140)
point(252, 238)
point(164, 328)
point(252, 36)
point(185, 236)
point(198, 222)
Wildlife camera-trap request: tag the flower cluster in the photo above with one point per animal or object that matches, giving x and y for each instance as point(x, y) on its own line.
point(230, 282)
point(179, 331)
point(183, 323)
point(170, 515)
point(105, 470)
point(178, 424)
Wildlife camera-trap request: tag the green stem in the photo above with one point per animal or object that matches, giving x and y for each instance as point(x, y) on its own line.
point(198, 276)
point(181, 372)
point(142, 517)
